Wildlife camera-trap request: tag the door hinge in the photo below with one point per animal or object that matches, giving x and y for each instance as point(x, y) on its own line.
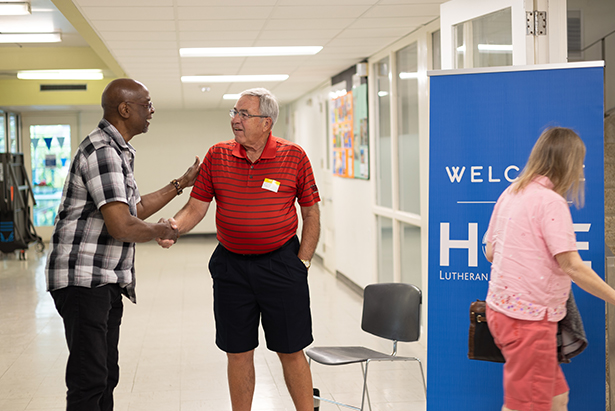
point(536, 23)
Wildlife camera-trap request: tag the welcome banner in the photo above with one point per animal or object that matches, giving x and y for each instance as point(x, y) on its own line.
point(483, 125)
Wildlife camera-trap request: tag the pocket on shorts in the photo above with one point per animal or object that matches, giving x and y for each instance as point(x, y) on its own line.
point(217, 262)
point(504, 329)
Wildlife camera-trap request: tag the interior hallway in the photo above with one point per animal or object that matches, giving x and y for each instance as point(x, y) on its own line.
point(168, 356)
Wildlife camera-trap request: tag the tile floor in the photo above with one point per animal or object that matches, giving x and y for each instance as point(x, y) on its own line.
point(168, 357)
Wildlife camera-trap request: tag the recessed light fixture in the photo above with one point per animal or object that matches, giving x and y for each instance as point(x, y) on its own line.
point(30, 37)
point(234, 79)
point(495, 48)
point(15, 8)
point(93, 74)
point(408, 75)
point(249, 51)
point(231, 96)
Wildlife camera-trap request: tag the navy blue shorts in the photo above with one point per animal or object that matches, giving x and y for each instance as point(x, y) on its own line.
point(271, 286)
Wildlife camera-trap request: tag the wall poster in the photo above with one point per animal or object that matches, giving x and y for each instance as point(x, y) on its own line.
point(349, 128)
point(342, 125)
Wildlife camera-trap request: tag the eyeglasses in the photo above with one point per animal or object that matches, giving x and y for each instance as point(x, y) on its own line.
point(149, 104)
point(244, 116)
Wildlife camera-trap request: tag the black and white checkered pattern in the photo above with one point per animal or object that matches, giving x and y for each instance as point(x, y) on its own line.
point(82, 253)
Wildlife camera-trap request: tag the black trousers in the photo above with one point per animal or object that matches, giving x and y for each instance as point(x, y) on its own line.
point(92, 318)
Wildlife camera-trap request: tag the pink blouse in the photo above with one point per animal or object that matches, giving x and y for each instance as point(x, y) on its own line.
point(527, 230)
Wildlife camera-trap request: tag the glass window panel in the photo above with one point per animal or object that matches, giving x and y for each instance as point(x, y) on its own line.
point(385, 250)
point(411, 255)
point(383, 189)
point(2, 133)
point(492, 39)
point(489, 41)
point(408, 129)
point(436, 57)
point(460, 47)
point(50, 151)
point(15, 147)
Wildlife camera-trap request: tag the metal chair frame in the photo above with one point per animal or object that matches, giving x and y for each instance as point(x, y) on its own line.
point(399, 303)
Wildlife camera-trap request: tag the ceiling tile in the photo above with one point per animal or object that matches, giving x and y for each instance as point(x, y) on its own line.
point(306, 35)
point(143, 45)
point(215, 25)
point(150, 35)
point(104, 26)
point(122, 3)
point(387, 22)
point(225, 3)
point(195, 36)
point(308, 24)
point(129, 13)
point(375, 34)
point(224, 13)
point(162, 54)
point(328, 2)
point(406, 10)
point(321, 12)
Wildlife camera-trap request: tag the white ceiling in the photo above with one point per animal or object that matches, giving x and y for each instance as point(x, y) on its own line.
point(144, 37)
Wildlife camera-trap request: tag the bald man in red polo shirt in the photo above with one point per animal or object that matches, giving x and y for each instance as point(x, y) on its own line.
point(260, 267)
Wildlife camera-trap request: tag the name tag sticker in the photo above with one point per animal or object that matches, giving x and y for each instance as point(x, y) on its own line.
point(271, 185)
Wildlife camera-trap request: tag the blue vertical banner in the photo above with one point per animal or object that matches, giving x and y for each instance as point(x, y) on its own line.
point(483, 125)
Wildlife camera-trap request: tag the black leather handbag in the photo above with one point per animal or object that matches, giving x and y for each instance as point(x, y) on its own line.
point(480, 342)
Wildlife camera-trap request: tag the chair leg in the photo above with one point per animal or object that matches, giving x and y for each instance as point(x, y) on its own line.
point(365, 389)
point(423, 376)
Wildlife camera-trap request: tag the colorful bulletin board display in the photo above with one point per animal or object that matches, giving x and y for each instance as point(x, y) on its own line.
point(483, 125)
point(342, 130)
point(360, 132)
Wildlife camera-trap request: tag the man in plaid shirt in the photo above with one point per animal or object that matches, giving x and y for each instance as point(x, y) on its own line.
point(91, 257)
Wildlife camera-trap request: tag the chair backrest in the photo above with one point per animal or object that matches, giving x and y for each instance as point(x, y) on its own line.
point(393, 311)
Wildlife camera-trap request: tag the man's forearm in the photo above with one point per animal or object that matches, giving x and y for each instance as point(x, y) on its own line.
point(310, 233)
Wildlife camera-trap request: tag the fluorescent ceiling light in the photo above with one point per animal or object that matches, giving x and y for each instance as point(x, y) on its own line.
point(30, 37)
point(60, 75)
point(19, 8)
point(234, 79)
point(249, 51)
point(404, 75)
point(495, 48)
point(231, 96)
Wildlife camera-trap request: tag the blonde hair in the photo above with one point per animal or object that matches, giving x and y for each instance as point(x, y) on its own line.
point(558, 154)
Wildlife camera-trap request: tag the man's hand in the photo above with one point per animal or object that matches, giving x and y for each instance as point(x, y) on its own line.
point(189, 177)
point(170, 236)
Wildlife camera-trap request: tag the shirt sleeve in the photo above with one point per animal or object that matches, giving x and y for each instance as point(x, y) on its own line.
point(307, 191)
point(203, 187)
point(104, 178)
point(557, 228)
point(490, 234)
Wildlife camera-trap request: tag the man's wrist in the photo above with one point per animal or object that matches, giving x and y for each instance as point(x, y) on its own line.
point(178, 187)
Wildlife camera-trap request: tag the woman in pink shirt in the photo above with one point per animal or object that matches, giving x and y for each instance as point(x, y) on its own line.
point(532, 246)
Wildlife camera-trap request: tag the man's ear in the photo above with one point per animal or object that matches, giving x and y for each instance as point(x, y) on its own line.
point(123, 110)
point(268, 125)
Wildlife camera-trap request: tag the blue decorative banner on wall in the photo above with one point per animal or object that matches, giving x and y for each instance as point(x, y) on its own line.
point(483, 125)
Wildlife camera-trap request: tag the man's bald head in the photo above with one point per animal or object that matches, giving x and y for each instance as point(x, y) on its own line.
point(119, 90)
point(127, 106)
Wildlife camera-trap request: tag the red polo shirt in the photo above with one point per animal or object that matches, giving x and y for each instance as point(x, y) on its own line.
point(255, 202)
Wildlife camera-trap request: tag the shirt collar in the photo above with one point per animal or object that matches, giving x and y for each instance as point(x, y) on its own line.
point(544, 181)
point(110, 130)
point(269, 151)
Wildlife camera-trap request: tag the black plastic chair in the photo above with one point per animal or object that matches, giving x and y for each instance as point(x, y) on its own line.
point(391, 311)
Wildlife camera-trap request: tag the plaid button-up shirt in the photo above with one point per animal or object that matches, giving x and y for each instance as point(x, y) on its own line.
point(82, 253)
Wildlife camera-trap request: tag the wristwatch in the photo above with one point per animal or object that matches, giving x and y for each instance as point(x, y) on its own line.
point(307, 263)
